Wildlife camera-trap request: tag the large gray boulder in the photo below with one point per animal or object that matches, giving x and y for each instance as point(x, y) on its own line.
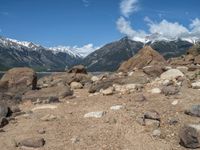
point(190, 136)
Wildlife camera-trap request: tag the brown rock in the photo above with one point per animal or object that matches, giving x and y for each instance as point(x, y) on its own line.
point(153, 71)
point(44, 94)
point(145, 57)
point(78, 69)
point(19, 79)
point(32, 142)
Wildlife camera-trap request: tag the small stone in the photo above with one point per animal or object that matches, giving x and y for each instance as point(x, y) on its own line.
point(3, 122)
point(152, 115)
point(97, 114)
point(156, 133)
point(76, 85)
point(75, 140)
point(108, 91)
point(173, 121)
point(53, 99)
point(32, 142)
point(95, 79)
point(117, 107)
point(139, 98)
point(169, 90)
point(156, 91)
point(152, 123)
point(41, 131)
point(196, 85)
point(175, 102)
point(48, 118)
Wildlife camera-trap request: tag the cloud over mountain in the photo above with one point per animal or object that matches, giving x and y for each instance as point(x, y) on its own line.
point(156, 30)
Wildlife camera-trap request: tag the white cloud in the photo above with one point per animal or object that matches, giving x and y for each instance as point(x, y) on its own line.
point(124, 27)
point(156, 30)
point(168, 29)
point(86, 3)
point(128, 6)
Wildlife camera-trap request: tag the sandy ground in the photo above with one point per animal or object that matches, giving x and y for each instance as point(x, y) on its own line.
point(116, 130)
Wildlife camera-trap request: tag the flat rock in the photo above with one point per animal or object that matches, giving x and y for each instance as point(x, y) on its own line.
point(171, 74)
point(32, 142)
point(44, 107)
point(108, 91)
point(116, 107)
point(97, 114)
point(156, 91)
point(61, 91)
point(48, 117)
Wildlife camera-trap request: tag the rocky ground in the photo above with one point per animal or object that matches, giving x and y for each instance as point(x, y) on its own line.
point(154, 107)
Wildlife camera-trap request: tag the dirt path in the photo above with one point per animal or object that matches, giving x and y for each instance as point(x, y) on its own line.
point(116, 130)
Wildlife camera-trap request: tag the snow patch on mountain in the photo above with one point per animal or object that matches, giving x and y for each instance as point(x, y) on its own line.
point(75, 50)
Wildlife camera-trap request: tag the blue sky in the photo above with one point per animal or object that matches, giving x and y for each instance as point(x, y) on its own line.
point(79, 22)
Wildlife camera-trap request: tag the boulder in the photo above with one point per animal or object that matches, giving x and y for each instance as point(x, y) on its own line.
point(44, 94)
point(19, 80)
point(78, 69)
point(171, 74)
point(63, 79)
point(190, 136)
point(76, 85)
point(153, 71)
point(145, 57)
point(100, 85)
point(32, 142)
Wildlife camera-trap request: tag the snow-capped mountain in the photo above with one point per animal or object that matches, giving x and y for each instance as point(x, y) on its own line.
point(110, 56)
point(159, 37)
point(7, 42)
point(75, 50)
point(15, 53)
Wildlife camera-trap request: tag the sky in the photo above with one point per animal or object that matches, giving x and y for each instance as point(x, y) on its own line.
point(97, 22)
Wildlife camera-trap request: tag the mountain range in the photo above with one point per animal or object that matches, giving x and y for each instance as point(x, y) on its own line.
point(15, 53)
